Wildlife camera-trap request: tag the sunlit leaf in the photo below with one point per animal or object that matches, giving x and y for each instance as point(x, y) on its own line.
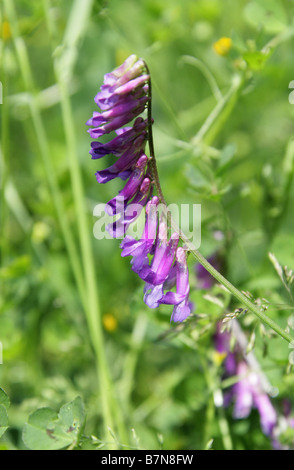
point(268, 14)
point(255, 59)
point(4, 405)
point(48, 430)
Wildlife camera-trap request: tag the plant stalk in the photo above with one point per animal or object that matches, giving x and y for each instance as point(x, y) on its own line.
point(228, 100)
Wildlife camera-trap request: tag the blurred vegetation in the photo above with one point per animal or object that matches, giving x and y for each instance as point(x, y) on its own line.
point(59, 287)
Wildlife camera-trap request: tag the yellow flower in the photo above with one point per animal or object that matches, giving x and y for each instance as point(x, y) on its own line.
point(222, 46)
point(109, 322)
point(6, 31)
point(218, 357)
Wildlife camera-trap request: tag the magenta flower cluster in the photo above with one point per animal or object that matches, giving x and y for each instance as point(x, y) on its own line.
point(156, 257)
point(248, 392)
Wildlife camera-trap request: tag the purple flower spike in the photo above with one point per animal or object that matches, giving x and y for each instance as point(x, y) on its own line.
point(125, 137)
point(140, 249)
point(111, 77)
point(243, 391)
point(267, 413)
point(248, 394)
point(183, 308)
point(249, 391)
point(163, 258)
point(119, 202)
point(130, 69)
point(125, 163)
point(178, 275)
point(123, 97)
point(132, 211)
point(113, 124)
point(156, 275)
point(132, 85)
point(126, 108)
point(126, 79)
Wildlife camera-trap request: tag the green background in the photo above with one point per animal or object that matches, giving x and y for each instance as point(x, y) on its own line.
point(72, 318)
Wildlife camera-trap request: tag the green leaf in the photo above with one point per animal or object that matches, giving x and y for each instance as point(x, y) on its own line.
point(269, 14)
point(196, 178)
point(3, 420)
point(226, 158)
point(16, 268)
point(73, 415)
point(4, 399)
point(256, 59)
point(4, 405)
point(47, 430)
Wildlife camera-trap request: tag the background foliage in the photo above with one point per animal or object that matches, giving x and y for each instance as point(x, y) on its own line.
point(77, 338)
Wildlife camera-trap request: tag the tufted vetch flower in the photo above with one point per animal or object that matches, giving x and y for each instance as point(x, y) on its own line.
point(158, 259)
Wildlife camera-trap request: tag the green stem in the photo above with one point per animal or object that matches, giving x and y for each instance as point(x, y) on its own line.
point(39, 127)
point(220, 113)
point(86, 284)
point(93, 313)
point(4, 169)
point(288, 169)
point(112, 418)
point(206, 73)
point(153, 165)
point(223, 424)
point(234, 291)
point(230, 287)
point(131, 361)
point(205, 134)
point(285, 35)
point(207, 131)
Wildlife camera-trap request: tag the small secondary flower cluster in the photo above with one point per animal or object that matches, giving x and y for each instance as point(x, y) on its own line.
point(156, 258)
point(251, 390)
point(248, 392)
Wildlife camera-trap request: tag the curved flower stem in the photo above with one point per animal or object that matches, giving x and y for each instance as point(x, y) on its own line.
point(220, 113)
point(187, 59)
point(236, 293)
point(230, 287)
point(189, 245)
point(153, 165)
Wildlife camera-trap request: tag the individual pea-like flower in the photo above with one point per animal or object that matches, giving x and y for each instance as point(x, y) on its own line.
point(249, 393)
point(157, 259)
point(140, 249)
point(122, 97)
